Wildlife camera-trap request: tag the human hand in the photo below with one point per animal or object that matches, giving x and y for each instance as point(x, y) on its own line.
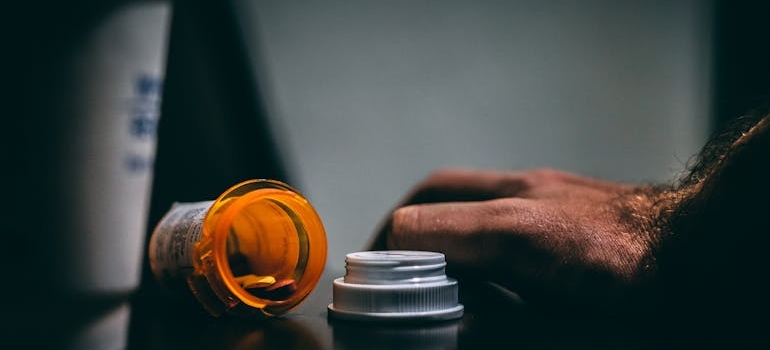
point(555, 238)
point(688, 256)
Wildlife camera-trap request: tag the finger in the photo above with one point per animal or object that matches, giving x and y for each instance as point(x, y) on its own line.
point(452, 185)
point(458, 185)
point(474, 236)
point(512, 241)
point(463, 185)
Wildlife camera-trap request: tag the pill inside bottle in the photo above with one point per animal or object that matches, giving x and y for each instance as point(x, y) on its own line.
point(258, 249)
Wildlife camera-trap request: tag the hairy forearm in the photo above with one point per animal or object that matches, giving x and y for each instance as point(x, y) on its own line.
point(715, 230)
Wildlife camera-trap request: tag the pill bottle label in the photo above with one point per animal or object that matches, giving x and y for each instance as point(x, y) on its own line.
point(172, 243)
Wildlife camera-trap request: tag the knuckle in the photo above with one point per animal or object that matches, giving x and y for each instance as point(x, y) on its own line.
point(404, 219)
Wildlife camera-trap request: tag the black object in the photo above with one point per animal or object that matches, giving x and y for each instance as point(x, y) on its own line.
point(213, 131)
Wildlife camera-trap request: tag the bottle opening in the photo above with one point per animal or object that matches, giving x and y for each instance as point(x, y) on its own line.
point(268, 247)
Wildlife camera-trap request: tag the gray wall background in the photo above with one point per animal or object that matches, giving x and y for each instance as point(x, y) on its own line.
point(368, 97)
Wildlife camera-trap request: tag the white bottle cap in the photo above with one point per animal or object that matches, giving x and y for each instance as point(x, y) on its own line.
point(395, 285)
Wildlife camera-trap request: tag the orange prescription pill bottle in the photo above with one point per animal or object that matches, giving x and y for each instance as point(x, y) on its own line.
point(258, 249)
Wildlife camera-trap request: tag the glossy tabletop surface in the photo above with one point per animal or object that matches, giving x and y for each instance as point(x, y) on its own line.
point(492, 319)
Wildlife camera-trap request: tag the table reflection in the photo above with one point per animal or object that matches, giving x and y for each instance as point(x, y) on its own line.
point(492, 317)
point(162, 324)
point(357, 335)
